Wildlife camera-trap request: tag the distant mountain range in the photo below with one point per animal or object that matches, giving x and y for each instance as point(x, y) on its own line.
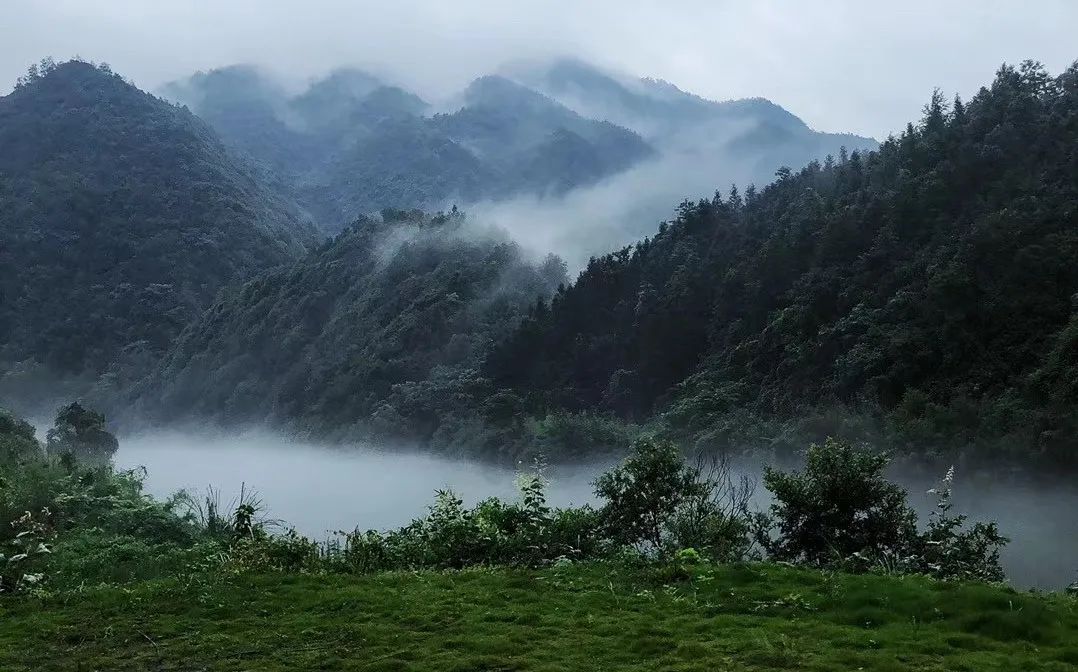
point(351, 144)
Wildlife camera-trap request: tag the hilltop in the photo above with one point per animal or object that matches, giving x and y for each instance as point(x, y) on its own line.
point(123, 216)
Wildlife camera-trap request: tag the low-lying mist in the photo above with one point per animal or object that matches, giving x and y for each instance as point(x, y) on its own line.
point(320, 489)
point(623, 208)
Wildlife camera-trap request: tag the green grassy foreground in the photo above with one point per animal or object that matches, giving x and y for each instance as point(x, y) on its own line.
point(585, 617)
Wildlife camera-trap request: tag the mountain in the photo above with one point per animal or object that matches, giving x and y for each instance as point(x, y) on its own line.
point(123, 216)
point(351, 144)
point(246, 109)
point(754, 131)
point(926, 291)
point(378, 332)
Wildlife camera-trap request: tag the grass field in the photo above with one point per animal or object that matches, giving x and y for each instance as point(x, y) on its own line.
point(585, 617)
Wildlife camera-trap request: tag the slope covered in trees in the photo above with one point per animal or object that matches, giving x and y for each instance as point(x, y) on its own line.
point(378, 332)
point(121, 218)
point(930, 286)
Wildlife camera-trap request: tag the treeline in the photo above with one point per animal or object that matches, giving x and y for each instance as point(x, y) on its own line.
point(923, 295)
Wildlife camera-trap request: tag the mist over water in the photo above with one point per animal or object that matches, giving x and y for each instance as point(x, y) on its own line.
point(320, 490)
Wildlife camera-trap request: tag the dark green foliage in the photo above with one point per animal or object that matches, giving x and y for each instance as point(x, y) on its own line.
point(17, 439)
point(951, 552)
point(379, 332)
point(657, 502)
point(95, 523)
point(65, 522)
point(122, 217)
point(523, 533)
point(928, 285)
point(838, 506)
point(80, 433)
point(841, 511)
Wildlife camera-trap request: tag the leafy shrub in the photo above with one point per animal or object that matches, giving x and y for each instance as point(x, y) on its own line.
point(838, 506)
point(289, 552)
point(94, 522)
point(840, 510)
point(658, 503)
point(948, 551)
point(17, 440)
point(526, 532)
point(26, 549)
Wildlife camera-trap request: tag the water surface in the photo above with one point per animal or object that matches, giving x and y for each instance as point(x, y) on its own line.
point(320, 490)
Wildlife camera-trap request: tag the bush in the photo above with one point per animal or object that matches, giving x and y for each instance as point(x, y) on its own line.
point(61, 519)
point(493, 532)
point(838, 506)
point(948, 551)
point(658, 503)
point(840, 510)
point(17, 440)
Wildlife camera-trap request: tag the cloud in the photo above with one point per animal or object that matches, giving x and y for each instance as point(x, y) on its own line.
point(863, 67)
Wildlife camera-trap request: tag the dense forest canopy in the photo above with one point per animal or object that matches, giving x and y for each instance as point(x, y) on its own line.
point(380, 331)
point(933, 280)
point(121, 216)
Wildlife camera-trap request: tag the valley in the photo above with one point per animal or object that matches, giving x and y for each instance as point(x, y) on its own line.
point(550, 363)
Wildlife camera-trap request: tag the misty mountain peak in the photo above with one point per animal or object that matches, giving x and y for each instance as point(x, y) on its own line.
point(342, 84)
point(498, 91)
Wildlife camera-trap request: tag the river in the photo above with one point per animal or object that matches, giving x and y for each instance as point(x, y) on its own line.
point(320, 490)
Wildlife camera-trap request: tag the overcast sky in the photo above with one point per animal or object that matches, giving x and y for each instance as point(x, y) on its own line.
point(865, 67)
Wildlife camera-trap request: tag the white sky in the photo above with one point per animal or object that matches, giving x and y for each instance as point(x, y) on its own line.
point(865, 67)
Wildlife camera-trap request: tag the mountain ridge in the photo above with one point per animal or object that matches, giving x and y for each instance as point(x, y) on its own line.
point(124, 217)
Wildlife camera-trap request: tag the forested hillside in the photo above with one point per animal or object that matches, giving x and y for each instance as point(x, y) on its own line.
point(930, 287)
point(378, 332)
point(121, 218)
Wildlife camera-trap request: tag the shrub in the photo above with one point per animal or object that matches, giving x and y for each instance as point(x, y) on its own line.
point(948, 551)
point(838, 506)
point(841, 511)
point(658, 503)
point(493, 532)
point(25, 550)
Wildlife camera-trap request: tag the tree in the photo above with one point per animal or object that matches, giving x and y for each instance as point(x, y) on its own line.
point(838, 506)
point(81, 433)
point(660, 504)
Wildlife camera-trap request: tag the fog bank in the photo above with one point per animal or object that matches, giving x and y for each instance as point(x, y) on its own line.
point(321, 490)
